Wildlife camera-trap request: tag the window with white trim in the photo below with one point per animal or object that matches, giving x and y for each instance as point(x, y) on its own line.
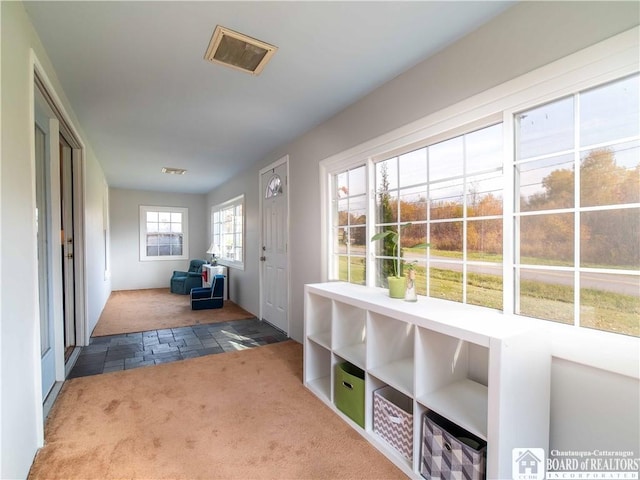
point(227, 232)
point(537, 214)
point(577, 209)
point(349, 234)
point(447, 195)
point(164, 233)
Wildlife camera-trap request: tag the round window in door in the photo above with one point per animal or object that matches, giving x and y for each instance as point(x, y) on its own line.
point(274, 187)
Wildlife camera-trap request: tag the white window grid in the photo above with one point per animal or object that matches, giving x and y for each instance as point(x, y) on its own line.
point(227, 232)
point(466, 180)
point(579, 79)
point(172, 221)
point(576, 153)
point(347, 227)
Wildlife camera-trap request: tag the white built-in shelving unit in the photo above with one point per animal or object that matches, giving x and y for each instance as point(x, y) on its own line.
point(485, 371)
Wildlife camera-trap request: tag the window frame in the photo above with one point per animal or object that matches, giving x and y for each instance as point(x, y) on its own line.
point(576, 209)
point(335, 199)
point(612, 59)
point(231, 203)
point(429, 222)
point(144, 209)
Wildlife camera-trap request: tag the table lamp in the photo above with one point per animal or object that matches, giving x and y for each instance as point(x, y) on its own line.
point(213, 251)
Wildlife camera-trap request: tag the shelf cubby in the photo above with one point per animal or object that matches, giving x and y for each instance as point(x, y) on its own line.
point(349, 333)
point(390, 351)
point(448, 379)
point(317, 369)
point(319, 313)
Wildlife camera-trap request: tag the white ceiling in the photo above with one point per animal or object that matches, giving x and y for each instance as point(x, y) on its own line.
point(136, 78)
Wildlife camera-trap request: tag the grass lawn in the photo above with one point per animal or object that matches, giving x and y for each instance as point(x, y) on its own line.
point(599, 309)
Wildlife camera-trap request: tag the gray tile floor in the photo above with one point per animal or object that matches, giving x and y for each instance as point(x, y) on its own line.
point(132, 350)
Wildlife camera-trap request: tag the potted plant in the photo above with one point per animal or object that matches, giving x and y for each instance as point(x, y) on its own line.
point(397, 284)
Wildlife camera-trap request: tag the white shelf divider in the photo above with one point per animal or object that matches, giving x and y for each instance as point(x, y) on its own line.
point(465, 401)
point(353, 353)
point(321, 338)
point(398, 374)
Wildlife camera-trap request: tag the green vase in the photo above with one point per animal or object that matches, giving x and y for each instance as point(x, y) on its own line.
point(397, 286)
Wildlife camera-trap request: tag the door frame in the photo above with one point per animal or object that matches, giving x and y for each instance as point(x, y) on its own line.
point(48, 99)
point(261, 187)
point(46, 237)
point(67, 155)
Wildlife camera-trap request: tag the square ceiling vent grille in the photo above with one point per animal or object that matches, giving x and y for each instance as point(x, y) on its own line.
point(238, 51)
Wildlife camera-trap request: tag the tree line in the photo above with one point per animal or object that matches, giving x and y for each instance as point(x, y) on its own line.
point(609, 237)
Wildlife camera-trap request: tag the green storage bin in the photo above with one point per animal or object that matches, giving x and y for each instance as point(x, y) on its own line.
point(349, 391)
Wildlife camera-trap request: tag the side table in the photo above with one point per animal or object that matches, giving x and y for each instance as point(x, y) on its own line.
point(209, 271)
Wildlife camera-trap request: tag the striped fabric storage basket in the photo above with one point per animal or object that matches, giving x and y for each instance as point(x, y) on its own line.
point(393, 419)
point(449, 452)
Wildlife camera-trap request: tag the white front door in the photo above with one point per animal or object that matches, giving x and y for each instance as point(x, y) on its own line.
point(274, 282)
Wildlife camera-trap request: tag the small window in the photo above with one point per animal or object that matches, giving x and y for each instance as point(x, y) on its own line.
point(163, 233)
point(227, 232)
point(349, 234)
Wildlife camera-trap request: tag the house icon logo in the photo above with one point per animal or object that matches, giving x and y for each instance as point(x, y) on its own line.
point(528, 464)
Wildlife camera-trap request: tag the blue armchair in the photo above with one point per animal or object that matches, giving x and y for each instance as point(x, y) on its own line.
point(183, 282)
point(209, 297)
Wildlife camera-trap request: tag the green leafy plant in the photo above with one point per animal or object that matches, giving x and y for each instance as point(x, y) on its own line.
point(411, 266)
point(392, 237)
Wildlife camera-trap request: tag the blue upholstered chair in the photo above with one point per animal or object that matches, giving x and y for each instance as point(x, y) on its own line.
point(183, 282)
point(209, 297)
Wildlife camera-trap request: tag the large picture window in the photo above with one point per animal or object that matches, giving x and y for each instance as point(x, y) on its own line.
point(163, 233)
point(447, 195)
point(227, 232)
point(577, 213)
point(527, 203)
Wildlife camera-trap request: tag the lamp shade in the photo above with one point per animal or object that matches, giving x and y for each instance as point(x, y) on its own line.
point(213, 249)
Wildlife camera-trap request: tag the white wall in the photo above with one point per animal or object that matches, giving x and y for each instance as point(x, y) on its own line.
point(243, 284)
point(592, 408)
point(21, 405)
point(128, 272)
point(96, 221)
point(527, 36)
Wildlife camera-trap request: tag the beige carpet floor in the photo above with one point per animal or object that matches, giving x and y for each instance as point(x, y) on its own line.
point(238, 415)
point(129, 311)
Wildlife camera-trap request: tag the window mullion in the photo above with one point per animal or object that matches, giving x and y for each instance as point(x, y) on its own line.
point(576, 214)
point(465, 226)
point(510, 281)
point(370, 262)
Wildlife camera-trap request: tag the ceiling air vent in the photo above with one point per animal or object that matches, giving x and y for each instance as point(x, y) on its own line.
point(173, 171)
point(238, 51)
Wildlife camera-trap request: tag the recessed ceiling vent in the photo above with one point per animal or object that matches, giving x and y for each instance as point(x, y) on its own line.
point(173, 171)
point(238, 51)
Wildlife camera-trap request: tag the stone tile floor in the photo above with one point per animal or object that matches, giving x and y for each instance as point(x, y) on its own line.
point(132, 350)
